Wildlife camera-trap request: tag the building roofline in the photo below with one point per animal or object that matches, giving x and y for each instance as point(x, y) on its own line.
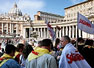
point(78, 4)
point(51, 14)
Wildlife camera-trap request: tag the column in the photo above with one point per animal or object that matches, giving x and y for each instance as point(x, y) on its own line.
point(44, 33)
point(70, 31)
point(73, 31)
point(7, 28)
point(63, 31)
point(66, 30)
point(59, 33)
point(54, 30)
point(16, 28)
point(41, 32)
point(47, 33)
point(2, 27)
point(79, 33)
point(56, 33)
point(21, 30)
point(10, 27)
point(24, 33)
point(76, 32)
point(38, 32)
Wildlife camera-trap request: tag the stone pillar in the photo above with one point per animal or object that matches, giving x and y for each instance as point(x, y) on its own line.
point(70, 31)
point(38, 33)
point(59, 33)
point(7, 28)
point(21, 29)
point(54, 30)
point(41, 32)
point(24, 33)
point(10, 28)
point(73, 31)
point(79, 33)
point(76, 32)
point(66, 30)
point(56, 33)
point(44, 33)
point(2, 27)
point(63, 31)
point(16, 28)
point(47, 33)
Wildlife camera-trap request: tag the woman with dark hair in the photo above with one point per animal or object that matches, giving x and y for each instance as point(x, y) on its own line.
point(57, 42)
point(28, 48)
point(18, 52)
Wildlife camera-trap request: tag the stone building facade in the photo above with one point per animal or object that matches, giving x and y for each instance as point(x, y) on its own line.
point(15, 24)
point(67, 23)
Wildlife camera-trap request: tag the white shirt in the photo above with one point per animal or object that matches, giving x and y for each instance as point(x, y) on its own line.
point(71, 58)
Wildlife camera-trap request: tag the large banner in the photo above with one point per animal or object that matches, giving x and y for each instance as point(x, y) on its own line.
point(50, 29)
point(84, 24)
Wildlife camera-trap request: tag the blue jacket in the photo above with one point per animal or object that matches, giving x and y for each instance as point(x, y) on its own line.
point(11, 63)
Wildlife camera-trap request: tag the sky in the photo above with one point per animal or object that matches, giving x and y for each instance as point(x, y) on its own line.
point(31, 7)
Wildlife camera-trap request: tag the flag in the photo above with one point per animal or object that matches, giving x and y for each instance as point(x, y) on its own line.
point(58, 27)
point(84, 24)
point(50, 29)
point(71, 58)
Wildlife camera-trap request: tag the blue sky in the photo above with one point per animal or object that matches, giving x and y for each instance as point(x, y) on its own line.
point(32, 6)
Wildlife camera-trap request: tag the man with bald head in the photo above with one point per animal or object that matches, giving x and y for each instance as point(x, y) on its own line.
point(70, 57)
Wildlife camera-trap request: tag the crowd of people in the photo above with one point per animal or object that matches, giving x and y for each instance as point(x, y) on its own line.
point(62, 53)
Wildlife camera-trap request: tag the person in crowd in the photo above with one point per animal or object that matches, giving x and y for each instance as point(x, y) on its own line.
point(73, 42)
point(0, 50)
point(7, 61)
point(56, 47)
point(18, 52)
point(70, 57)
point(28, 48)
point(81, 44)
point(3, 45)
point(39, 45)
point(57, 50)
point(40, 58)
point(88, 52)
point(31, 42)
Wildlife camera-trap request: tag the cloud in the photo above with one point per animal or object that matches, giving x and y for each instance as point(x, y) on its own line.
point(5, 7)
point(31, 6)
point(76, 1)
point(26, 6)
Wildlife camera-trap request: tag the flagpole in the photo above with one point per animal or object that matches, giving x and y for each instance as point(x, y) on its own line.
point(77, 32)
point(77, 38)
